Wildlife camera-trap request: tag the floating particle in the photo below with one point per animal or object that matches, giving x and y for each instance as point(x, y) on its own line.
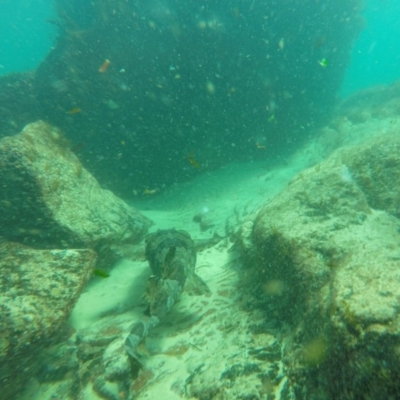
point(75, 110)
point(210, 87)
point(103, 68)
point(323, 63)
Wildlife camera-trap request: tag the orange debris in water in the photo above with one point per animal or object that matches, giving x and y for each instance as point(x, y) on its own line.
point(105, 65)
point(260, 146)
point(75, 110)
point(192, 161)
point(148, 191)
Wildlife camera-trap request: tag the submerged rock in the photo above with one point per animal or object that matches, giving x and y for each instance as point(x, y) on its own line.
point(324, 256)
point(48, 200)
point(50, 203)
point(38, 290)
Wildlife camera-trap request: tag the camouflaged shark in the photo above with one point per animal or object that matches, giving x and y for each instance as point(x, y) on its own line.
point(172, 258)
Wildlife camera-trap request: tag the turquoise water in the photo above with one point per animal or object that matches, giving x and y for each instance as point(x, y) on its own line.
point(376, 54)
point(26, 36)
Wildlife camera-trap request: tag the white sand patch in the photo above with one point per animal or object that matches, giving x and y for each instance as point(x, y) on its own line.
point(235, 188)
point(120, 292)
point(201, 331)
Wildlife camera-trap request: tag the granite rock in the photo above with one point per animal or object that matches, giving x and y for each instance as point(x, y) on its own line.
point(49, 200)
point(324, 256)
point(38, 290)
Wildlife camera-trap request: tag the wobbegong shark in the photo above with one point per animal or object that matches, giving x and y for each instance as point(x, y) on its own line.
point(171, 255)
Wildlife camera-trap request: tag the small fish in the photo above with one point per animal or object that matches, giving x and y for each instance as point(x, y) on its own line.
point(77, 147)
point(100, 273)
point(74, 110)
point(105, 65)
point(260, 146)
point(192, 161)
point(271, 118)
point(148, 191)
point(323, 62)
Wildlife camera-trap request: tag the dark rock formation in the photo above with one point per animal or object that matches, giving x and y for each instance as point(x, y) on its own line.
point(190, 85)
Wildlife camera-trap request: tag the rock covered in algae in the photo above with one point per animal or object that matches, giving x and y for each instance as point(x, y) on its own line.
point(38, 290)
point(48, 200)
point(324, 255)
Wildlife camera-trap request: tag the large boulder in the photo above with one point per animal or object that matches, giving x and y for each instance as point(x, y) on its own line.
point(38, 290)
point(50, 203)
point(188, 86)
point(48, 200)
point(324, 256)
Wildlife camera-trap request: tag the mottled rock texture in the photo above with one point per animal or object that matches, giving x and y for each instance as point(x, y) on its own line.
point(38, 289)
point(56, 222)
point(48, 200)
point(324, 256)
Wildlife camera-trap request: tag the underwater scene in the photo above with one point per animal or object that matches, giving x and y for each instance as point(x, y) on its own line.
point(199, 199)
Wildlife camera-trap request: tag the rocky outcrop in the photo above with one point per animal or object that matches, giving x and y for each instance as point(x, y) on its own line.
point(38, 290)
point(55, 223)
point(48, 200)
point(158, 99)
point(324, 256)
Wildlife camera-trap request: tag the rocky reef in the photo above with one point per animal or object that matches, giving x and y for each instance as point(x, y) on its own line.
point(323, 256)
point(303, 305)
point(56, 225)
point(38, 291)
point(49, 200)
